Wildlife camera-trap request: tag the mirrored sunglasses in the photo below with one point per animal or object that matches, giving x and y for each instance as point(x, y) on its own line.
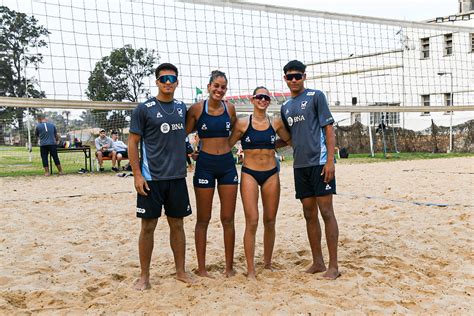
point(166, 78)
point(262, 96)
point(297, 76)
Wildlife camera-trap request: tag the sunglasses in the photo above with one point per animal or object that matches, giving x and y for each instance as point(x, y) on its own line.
point(166, 78)
point(262, 96)
point(297, 76)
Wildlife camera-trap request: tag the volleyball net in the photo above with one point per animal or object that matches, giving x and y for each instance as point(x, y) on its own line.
point(96, 59)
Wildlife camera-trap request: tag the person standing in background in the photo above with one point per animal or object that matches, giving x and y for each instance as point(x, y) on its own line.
point(48, 138)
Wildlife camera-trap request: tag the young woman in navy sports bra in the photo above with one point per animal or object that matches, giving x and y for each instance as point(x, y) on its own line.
point(258, 138)
point(213, 120)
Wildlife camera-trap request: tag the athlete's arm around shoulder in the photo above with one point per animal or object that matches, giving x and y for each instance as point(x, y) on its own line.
point(282, 132)
point(238, 130)
point(192, 116)
point(232, 114)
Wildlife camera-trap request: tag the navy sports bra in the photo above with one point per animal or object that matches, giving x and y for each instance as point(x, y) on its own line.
point(254, 139)
point(212, 126)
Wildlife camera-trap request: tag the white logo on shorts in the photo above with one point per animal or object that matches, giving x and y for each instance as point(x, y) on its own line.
point(328, 187)
point(203, 181)
point(189, 208)
point(236, 179)
point(141, 210)
point(165, 128)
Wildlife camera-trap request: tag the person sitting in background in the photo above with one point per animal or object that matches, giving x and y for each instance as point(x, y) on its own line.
point(104, 146)
point(120, 148)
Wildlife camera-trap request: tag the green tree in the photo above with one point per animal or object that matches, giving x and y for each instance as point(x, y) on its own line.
point(119, 77)
point(20, 36)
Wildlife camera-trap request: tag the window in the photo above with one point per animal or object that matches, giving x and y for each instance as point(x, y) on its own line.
point(472, 42)
point(448, 44)
point(447, 99)
point(425, 48)
point(389, 118)
point(425, 101)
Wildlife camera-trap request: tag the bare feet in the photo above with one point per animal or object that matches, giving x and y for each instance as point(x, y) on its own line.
point(229, 273)
point(186, 278)
point(332, 274)
point(315, 268)
point(268, 266)
point(142, 284)
point(204, 274)
point(251, 276)
point(46, 174)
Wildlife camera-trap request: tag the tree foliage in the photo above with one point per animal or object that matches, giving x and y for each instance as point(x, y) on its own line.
point(119, 77)
point(20, 37)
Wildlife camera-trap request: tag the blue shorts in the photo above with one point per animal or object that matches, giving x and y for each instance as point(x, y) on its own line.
point(170, 194)
point(210, 168)
point(309, 182)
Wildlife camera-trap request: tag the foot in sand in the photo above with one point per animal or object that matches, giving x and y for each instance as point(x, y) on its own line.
point(142, 284)
point(268, 266)
point(229, 273)
point(186, 278)
point(332, 274)
point(251, 276)
point(204, 274)
point(46, 174)
point(315, 268)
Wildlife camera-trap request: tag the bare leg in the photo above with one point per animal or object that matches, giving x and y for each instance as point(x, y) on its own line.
point(99, 158)
point(204, 208)
point(178, 245)
point(114, 158)
point(60, 169)
point(249, 194)
point(313, 228)
point(332, 234)
point(119, 159)
point(270, 201)
point(46, 172)
point(228, 197)
point(145, 249)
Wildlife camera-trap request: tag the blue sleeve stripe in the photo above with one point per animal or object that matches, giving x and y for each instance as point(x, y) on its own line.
point(323, 157)
point(145, 167)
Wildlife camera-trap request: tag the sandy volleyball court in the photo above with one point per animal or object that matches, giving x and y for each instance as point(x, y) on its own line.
point(69, 244)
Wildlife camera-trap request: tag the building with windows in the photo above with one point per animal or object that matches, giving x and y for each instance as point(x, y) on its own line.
point(413, 66)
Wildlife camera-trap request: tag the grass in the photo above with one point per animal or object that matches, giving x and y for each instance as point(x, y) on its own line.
point(14, 161)
point(366, 158)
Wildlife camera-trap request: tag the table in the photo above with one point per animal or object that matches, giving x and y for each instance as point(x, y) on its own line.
point(87, 156)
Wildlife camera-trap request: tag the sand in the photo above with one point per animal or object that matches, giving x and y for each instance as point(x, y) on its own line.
point(69, 245)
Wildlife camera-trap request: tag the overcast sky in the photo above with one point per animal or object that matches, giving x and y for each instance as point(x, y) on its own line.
point(413, 10)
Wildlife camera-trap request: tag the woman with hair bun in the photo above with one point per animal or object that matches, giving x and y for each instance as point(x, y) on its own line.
point(213, 120)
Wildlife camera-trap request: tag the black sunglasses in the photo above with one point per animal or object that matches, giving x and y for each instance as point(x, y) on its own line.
point(297, 76)
point(262, 96)
point(170, 78)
